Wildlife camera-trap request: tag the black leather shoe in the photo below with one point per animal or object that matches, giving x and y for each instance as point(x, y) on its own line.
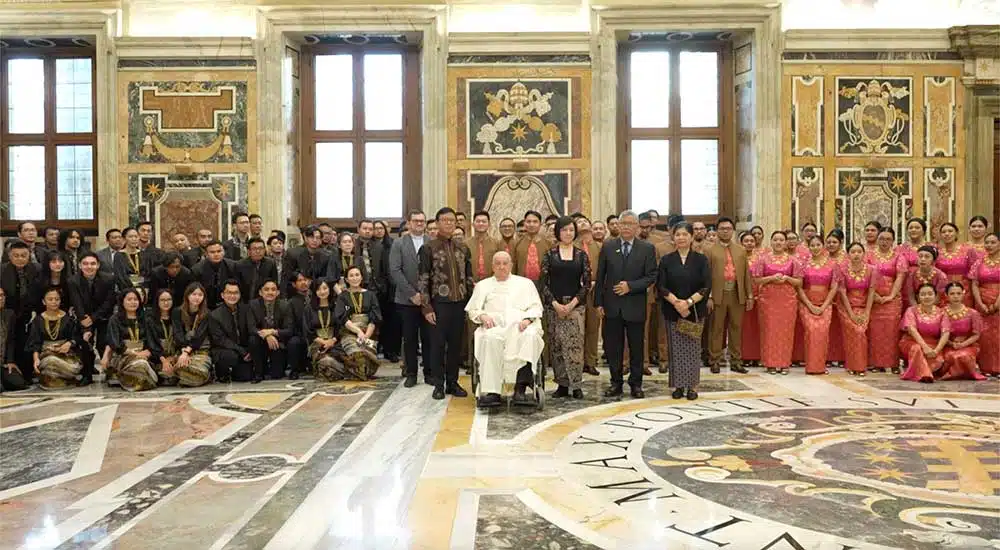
point(256, 380)
point(562, 391)
point(438, 393)
point(224, 379)
point(715, 370)
point(577, 394)
point(456, 390)
point(293, 375)
point(678, 393)
point(614, 391)
point(739, 368)
point(521, 396)
point(637, 392)
point(392, 358)
point(692, 395)
point(591, 370)
point(85, 381)
point(410, 382)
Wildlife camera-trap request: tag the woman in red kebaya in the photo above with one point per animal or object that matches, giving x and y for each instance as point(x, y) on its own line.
point(926, 328)
point(857, 294)
point(888, 307)
point(985, 277)
point(962, 351)
point(816, 295)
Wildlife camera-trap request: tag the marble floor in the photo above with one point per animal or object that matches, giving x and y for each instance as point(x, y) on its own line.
point(757, 463)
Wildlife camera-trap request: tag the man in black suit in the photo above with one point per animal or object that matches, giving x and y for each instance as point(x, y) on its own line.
point(255, 269)
point(625, 269)
point(146, 243)
point(106, 255)
point(229, 330)
point(17, 278)
point(310, 259)
point(172, 275)
point(194, 254)
point(236, 247)
point(92, 295)
point(404, 260)
point(272, 337)
point(213, 271)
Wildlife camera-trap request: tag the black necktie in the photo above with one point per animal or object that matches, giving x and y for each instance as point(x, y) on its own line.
point(627, 249)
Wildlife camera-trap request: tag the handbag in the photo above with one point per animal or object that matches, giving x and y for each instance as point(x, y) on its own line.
point(691, 329)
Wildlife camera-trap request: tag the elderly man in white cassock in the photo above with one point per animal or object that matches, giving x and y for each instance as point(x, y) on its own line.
point(508, 342)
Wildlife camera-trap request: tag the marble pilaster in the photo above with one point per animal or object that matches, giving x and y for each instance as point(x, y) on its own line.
point(763, 19)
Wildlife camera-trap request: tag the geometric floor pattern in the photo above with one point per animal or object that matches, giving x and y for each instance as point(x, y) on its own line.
point(758, 463)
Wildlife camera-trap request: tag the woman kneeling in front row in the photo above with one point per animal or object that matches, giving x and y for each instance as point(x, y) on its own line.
point(54, 340)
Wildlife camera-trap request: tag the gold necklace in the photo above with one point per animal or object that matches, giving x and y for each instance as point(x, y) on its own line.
point(957, 315)
point(857, 275)
point(324, 323)
point(52, 327)
point(924, 279)
point(990, 261)
point(884, 256)
point(133, 260)
point(823, 260)
point(356, 300)
point(168, 331)
point(943, 252)
point(133, 331)
point(927, 315)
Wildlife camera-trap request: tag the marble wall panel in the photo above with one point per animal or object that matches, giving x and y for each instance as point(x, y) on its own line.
point(186, 203)
point(874, 116)
point(510, 195)
point(939, 116)
point(536, 112)
point(807, 196)
point(807, 116)
point(864, 195)
point(192, 122)
point(939, 197)
point(745, 154)
point(891, 144)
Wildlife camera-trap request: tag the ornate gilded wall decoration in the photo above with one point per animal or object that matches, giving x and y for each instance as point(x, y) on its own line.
point(939, 116)
point(807, 116)
point(176, 203)
point(527, 117)
point(863, 195)
point(187, 121)
point(873, 116)
point(511, 195)
point(807, 195)
point(939, 197)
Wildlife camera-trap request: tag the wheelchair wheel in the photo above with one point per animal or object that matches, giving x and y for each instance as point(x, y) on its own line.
point(475, 377)
point(540, 387)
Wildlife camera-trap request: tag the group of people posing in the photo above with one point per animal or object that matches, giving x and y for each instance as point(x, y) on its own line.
point(676, 296)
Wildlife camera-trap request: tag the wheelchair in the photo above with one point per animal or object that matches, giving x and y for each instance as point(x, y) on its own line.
point(507, 398)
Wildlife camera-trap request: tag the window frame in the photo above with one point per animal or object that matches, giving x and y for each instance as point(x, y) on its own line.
point(51, 139)
point(724, 132)
point(409, 135)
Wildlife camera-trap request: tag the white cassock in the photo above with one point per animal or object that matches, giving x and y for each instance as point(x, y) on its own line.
point(504, 349)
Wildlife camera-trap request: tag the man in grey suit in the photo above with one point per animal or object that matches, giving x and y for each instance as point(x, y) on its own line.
point(107, 254)
point(625, 269)
point(403, 261)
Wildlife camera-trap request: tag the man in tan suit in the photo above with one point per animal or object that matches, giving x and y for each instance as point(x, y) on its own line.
point(731, 295)
point(482, 247)
point(592, 321)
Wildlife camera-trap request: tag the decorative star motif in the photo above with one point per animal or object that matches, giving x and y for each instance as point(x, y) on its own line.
point(153, 189)
point(877, 458)
point(882, 446)
point(888, 473)
point(520, 132)
point(223, 190)
point(898, 183)
point(850, 182)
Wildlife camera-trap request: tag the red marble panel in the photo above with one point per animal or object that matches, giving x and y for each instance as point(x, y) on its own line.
point(186, 213)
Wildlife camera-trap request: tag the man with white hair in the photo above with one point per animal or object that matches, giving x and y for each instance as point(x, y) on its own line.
point(508, 342)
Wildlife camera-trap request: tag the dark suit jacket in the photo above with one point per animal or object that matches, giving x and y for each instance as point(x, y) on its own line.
point(299, 308)
point(283, 318)
point(204, 274)
point(159, 278)
point(107, 263)
point(376, 280)
point(98, 303)
point(299, 259)
point(228, 333)
point(252, 276)
point(192, 256)
point(232, 248)
point(639, 271)
point(8, 280)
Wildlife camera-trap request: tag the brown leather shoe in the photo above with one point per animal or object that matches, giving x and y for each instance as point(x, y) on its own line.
point(591, 370)
point(663, 368)
point(646, 371)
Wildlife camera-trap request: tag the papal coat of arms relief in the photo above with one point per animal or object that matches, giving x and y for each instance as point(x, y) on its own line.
point(873, 116)
point(518, 118)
